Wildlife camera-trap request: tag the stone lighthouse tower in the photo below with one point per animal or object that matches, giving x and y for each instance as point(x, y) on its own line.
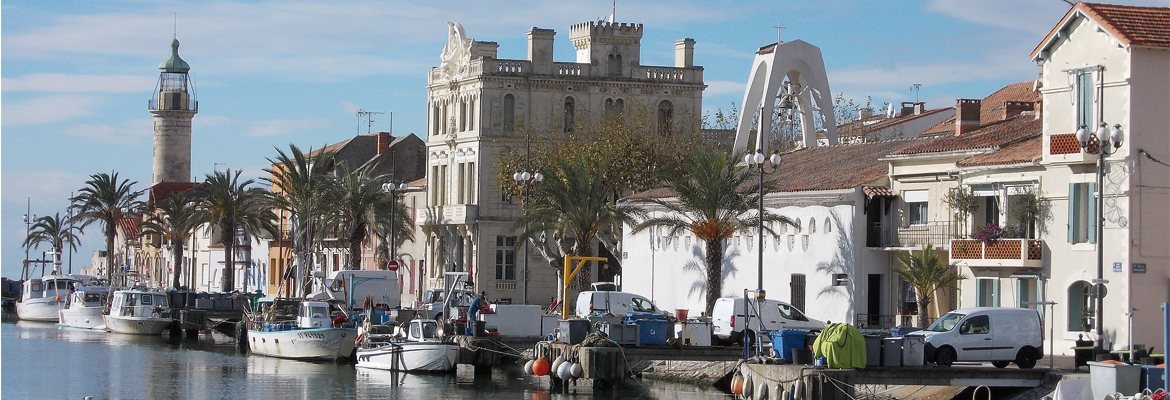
point(173, 106)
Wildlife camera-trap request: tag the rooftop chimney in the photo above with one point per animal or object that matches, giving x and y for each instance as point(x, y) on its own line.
point(1014, 108)
point(966, 115)
point(540, 49)
point(484, 49)
point(865, 112)
point(383, 142)
point(919, 107)
point(684, 53)
point(907, 108)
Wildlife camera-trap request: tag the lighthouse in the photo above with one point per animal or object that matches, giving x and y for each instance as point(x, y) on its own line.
point(173, 107)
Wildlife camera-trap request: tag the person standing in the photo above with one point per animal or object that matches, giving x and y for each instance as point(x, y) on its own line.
point(473, 310)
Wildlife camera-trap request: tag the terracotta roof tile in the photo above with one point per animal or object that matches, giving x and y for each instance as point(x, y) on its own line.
point(1023, 151)
point(991, 107)
point(130, 226)
point(1132, 25)
point(858, 128)
point(991, 135)
point(162, 191)
point(877, 191)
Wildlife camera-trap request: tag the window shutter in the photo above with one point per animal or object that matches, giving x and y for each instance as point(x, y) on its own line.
point(1091, 218)
point(1073, 214)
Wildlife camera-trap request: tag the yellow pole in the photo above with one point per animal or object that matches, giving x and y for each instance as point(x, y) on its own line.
point(568, 277)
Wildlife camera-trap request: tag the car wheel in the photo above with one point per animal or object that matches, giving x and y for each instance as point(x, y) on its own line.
point(945, 357)
point(748, 337)
point(1000, 364)
point(1026, 359)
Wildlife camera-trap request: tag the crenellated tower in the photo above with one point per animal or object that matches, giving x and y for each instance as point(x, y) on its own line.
point(173, 107)
point(613, 47)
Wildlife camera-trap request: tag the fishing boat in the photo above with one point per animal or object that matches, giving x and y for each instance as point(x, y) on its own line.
point(139, 312)
point(421, 350)
point(84, 308)
point(41, 299)
point(298, 329)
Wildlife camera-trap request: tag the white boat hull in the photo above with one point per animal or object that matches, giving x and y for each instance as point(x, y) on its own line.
point(41, 309)
point(84, 318)
point(410, 356)
point(304, 344)
point(137, 325)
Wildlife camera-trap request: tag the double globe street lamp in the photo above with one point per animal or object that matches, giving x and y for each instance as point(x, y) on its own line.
point(755, 161)
point(525, 178)
point(1099, 144)
point(393, 189)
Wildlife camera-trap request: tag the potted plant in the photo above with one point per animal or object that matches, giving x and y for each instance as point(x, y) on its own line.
point(988, 233)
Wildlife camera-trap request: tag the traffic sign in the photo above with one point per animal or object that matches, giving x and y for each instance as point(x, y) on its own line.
point(392, 265)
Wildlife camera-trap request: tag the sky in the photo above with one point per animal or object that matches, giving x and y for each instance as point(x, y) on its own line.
point(75, 76)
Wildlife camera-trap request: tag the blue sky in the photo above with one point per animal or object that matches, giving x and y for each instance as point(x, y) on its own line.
point(76, 75)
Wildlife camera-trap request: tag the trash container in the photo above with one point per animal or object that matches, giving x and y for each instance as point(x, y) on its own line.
point(892, 352)
point(573, 331)
point(802, 356)
point(1082, 354)
point(873, 350)
point(1108, 378)
point(913, 350)
point(1151, 378)
point(480, 328)
point(785, 340)
point(902, 330)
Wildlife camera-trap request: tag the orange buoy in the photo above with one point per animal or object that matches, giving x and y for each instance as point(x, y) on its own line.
point(737, 384)
point(541, 366)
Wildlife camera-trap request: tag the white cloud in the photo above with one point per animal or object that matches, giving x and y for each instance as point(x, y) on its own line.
point(77, 83)
point(48, 109)
point(131, 132)
point(281, 127)
point(715, 88)
point(931, 74)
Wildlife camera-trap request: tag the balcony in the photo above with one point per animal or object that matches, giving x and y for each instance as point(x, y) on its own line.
point(938, 233)
point(1011, 253)
point(455, 214)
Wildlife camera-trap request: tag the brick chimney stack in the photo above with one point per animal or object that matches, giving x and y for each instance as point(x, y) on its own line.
point(1014, 108)
point(383, 142)
point(966, 115)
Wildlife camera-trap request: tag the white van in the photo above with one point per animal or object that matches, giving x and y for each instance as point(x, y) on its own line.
point(728, 318)
point(997, 334)
point(593, 303)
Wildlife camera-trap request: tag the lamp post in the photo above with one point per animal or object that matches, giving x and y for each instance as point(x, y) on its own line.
point(28, 217)
point(526, 177)
point(393, 189)
point(756, 161)
point(1101, 139)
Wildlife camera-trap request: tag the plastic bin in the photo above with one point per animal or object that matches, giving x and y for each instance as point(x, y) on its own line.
point(573, 331)
point(892, 352)
point(1108, 379)
point(913, 350)
point(623, 334)
point(802, 356)
point(783, 341)
point(651, 332)
point(873, 350)
point(1151, 378)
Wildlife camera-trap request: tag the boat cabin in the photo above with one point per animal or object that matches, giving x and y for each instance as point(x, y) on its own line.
point(89, 296)
point(50, 286)
point(136, 303)
point(422, 330)
point(314, 314)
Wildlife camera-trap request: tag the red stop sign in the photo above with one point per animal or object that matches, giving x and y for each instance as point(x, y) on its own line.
point(392, 265)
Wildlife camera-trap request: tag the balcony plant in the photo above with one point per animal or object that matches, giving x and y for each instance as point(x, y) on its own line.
point(1024, 210)
point(964, 201)
point(989, 233)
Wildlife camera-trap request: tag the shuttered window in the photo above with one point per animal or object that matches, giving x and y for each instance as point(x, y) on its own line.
point(1082, 211)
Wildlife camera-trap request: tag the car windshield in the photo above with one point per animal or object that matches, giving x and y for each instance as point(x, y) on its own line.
point(946, 322)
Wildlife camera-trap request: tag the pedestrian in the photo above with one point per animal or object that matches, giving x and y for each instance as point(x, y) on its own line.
point(473, 311)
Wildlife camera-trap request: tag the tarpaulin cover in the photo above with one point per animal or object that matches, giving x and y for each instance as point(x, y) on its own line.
point(842, 346)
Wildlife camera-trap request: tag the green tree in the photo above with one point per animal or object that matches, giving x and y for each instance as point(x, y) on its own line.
point(965, 203)
point(235, 209)
point(55, 232)
point(713, 200)
point(362, 206)
point(573, 207)
point(103, 200)
point(927, 274)
point(175, 220)
point(299, 183)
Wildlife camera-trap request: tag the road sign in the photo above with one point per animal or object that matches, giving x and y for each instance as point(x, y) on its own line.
point(392, 265)
point(1100, 281)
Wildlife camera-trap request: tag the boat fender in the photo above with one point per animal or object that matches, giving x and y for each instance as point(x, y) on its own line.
point(748, 386)
point(540, 367)
point(528, 367)
point(576, 370)
point(563, 371)
point(737, 384)
point(556, 364)
point(779, 393)
point(762, 391)
point(796, 391)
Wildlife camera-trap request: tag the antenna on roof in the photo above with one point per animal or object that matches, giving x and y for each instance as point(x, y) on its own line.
point(369, 118)
point(916, 87)
point(613, 15)
point(176, 34)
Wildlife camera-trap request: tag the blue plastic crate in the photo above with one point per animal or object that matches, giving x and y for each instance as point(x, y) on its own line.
point(783, 341)
point(1151, 377)
point(651, 332)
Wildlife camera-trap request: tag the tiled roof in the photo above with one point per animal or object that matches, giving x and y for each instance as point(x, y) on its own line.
point(988, 136)
point(1131, 25)
point(162, 191)
point(129, 226)
point(1023, 151)
point(826, 167)
point(859, 128)
point(877, 191)
point(991, 107)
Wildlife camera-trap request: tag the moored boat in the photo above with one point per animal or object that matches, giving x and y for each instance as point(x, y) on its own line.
point(298, 329)
point(84, 308)
point(422, 350)
point(40, 299)
point(138, 312)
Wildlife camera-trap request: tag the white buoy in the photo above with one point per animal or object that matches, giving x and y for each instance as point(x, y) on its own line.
point(577, 370)
point(797, 390)
point(556, 364)
point(762, 391)
point(563, 371)
point(528, 367)
point(778, 392)
point(748, 386)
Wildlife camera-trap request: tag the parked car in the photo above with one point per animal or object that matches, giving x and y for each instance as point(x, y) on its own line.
point(997, 334)
point(600, 302)
point(727, 319)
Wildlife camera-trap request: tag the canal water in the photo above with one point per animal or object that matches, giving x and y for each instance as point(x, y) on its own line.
point(44, 361)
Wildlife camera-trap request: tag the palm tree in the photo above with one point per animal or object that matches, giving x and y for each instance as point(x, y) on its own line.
point(103, 199)
point(926, 274)
point(361, 207)
point(234, 208)
point(54, 231)
point(176, 220)
point(713, 200)
point(573, 207)
point(298, 184)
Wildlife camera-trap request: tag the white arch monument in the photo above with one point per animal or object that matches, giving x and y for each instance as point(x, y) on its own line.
point(802, 64)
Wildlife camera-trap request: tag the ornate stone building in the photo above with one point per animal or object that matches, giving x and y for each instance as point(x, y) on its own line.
point(476, 103)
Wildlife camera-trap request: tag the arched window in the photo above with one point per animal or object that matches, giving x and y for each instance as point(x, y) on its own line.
point(471, 114)
point(614, 108)
point(463, 115)
point(1080, 307)
point(828, 228)
point(615, 65)
point(665, 117)
point(569, 114)
point(812, 225)
point(509, 113)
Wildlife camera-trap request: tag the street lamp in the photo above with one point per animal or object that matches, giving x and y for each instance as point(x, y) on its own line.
point(27, 231)
point(525, 177)
point(1098, 144)
point(756, 161)
point(393, 189)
